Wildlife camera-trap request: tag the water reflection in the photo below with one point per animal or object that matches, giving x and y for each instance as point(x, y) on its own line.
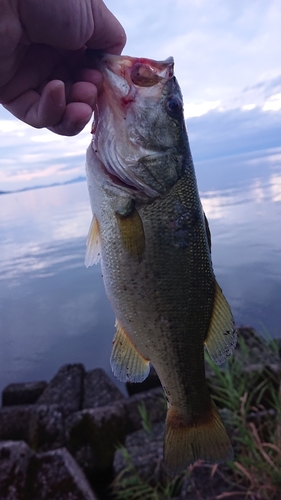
point(245, 226)
point(53, 310)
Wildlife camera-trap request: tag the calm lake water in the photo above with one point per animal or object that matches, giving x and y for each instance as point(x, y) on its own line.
point(54, 311)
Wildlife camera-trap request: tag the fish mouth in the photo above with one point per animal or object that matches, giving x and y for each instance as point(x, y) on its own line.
point(124, 72)
point(127, 81)
point(128, 72)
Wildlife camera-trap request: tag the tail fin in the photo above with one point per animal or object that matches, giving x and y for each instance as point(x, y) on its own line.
point(184, 444)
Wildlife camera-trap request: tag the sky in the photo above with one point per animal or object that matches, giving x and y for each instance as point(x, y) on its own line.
point(228, 64)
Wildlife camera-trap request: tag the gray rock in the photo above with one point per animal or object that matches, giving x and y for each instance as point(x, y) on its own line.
point(257, 349)
point(272, 370)
point(55, 475)
point(144, 455)
point(99, 390)
point(40, 426)
point(93, 435)
point(149, 383)
point(46, 428)
point(15, 458)
point(155, 407)
point(14, 422)
point(26, 393)
point(65, 389)
point(200, 483)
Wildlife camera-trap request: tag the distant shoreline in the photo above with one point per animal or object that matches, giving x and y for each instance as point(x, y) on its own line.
point(72, 181)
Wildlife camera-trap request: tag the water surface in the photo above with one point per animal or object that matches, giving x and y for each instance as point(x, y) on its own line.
point(54, 311)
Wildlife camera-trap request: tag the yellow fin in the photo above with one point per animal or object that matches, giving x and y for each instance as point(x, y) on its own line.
point(127, 364)
point(222, 337)
point(206, 440)
point(93, 247)
point(132, 233)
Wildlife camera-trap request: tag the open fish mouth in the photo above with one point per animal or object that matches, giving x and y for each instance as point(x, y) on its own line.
point(126, 73)
point(129, 83)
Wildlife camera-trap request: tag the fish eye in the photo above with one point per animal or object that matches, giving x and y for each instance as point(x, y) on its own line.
point(173, 106)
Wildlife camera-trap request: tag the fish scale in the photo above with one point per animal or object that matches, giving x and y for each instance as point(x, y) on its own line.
point(154, 242)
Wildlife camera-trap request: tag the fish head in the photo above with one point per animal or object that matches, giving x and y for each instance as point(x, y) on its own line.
point(138, 131)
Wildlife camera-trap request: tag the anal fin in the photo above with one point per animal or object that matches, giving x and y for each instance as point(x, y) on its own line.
point(93, 247)
point(222, 337)
point(127, 364)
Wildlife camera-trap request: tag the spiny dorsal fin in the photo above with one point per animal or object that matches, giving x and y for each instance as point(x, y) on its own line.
point(93, 248)
point(127, 364)
point(221, 338)
point(132, 233)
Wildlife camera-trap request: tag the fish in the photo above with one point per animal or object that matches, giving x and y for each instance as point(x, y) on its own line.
point(152, 237)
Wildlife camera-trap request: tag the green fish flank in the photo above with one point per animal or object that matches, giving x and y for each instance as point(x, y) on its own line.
point(155, 247)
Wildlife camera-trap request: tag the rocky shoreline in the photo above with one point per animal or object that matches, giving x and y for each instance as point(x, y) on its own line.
point(60, 440)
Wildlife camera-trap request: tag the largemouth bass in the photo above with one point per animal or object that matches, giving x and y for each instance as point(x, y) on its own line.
point(154, 242)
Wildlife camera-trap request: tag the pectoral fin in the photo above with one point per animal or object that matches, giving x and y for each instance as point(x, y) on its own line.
point(93, 248)
point(132, 233)
point(127, 364)
point(221, 338)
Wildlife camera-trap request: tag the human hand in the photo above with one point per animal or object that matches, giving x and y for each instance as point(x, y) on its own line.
point(44, 80)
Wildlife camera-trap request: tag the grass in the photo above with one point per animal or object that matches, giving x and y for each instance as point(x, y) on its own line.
point(253, 407)
point(254, 400)
point(145, 418)
point(130, 485)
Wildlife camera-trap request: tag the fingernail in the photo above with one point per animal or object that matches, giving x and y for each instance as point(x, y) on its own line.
point(57, 95)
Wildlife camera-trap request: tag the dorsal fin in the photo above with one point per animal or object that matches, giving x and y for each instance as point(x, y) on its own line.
point(221, 338)
point(93, 248)
point(208, 232)
point(127, 364)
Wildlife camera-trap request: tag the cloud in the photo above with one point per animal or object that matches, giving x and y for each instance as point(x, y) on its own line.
point(273, 103)
point(226, 61)
point(193, 109)
point(238, 145)
point(233, 132)
point(31, 157)
point(263, 93)
point(221, 136)
point(220, 48)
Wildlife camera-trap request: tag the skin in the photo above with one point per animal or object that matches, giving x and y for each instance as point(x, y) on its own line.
point(44, 79)
point(155, 253)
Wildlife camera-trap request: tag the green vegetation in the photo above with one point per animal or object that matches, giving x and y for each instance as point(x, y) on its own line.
point(145, 419)
point(252, 413)
point(254, 401)
point(129, 485)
